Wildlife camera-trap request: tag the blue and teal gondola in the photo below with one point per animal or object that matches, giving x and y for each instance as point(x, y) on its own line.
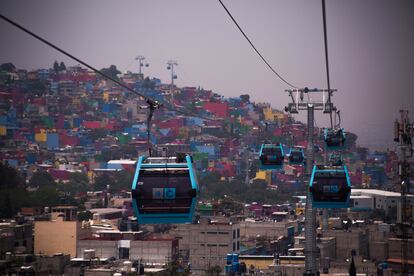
point(164, 190)
point(330, 186)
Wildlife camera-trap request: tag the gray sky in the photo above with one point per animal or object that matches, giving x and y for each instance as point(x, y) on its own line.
point(371, 48)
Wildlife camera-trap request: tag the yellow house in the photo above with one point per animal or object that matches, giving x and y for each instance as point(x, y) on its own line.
point(105, 96)
point(41, 136)
point(272, 115)
point(264, 175)
point(3, 131)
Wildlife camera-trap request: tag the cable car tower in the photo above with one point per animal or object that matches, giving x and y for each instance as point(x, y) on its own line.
point(403, 135)
point(141, 63)
point(170, 66)
point(300, 103)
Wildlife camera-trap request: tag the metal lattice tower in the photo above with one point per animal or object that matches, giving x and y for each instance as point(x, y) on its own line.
point(310, 105)
point(403, 135)
point(170, 66)
point(141, 64)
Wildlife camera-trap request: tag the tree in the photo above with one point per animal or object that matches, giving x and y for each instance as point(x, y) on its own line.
point(214, 270)
point(8, 67)
point(56, 67)
point(112, 71)
point(44, 196)
point(78, 183)
point(98, 133)
point(85, 215)
point(148, 84)
point(62, 66)
point(41, 179)
point(9, 177)
point(245, 98)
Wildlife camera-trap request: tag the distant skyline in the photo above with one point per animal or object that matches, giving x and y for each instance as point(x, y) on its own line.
point(371, 48)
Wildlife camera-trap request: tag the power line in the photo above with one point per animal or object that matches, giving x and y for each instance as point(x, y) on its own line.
point(325, 36)
point(149, 100)
point(254, 48)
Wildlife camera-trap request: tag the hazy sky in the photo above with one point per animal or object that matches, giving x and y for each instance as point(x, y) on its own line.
point(371, 48)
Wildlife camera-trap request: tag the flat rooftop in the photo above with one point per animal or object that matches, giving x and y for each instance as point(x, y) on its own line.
point(356, 192)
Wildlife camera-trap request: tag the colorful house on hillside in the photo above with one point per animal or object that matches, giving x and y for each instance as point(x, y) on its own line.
point(219, 109)
point(224, 169)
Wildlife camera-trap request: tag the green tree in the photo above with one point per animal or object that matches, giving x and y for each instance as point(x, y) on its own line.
point(112, 71)
point(85, 215)
point(8, 67)
point(56, 67)
point(62, 66)
point(117, 181)
point(148, 84)
point(245, 98)
point(9, 177)
point(98, 133)
point(42, 179)
point(78, 183)
point(45, 196)
point(213, 270)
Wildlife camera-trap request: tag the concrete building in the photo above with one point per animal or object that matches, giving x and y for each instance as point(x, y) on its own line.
point(250, 229)
point(387, 201)
point(17, 238)
point(154, 249)
point(355, 239)
point(207, 244)
point(60, 234)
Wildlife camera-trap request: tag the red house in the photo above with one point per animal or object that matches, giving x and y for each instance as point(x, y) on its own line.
point(219, 109)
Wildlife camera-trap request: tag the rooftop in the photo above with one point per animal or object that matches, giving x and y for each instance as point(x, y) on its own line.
point(356, 192)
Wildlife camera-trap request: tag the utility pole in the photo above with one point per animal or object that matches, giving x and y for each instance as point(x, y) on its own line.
point(170, 66)
point(325, 224)
point(248, 162)
point(403, 135)
point(310, 105)
point(141, 64)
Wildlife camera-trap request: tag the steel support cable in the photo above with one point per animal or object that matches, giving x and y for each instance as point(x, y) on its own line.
point(325, 36)
point(254, 48)
point(150, 101)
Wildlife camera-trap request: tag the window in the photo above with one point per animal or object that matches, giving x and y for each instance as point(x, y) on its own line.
point(234, 234)
point(238, 246)
point(238, 232)
point(234, 246)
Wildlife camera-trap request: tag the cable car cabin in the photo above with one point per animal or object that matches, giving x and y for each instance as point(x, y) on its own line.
point(164, 190)
point(271, 157)
point(296, 156)
point(330, 187)
point(334, 138)
point(335, 159)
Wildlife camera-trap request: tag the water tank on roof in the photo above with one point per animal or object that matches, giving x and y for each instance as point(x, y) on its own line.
point(89, 254)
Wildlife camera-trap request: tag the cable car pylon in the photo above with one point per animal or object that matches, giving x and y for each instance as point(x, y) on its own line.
point(310, 105)
point(403, 135)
